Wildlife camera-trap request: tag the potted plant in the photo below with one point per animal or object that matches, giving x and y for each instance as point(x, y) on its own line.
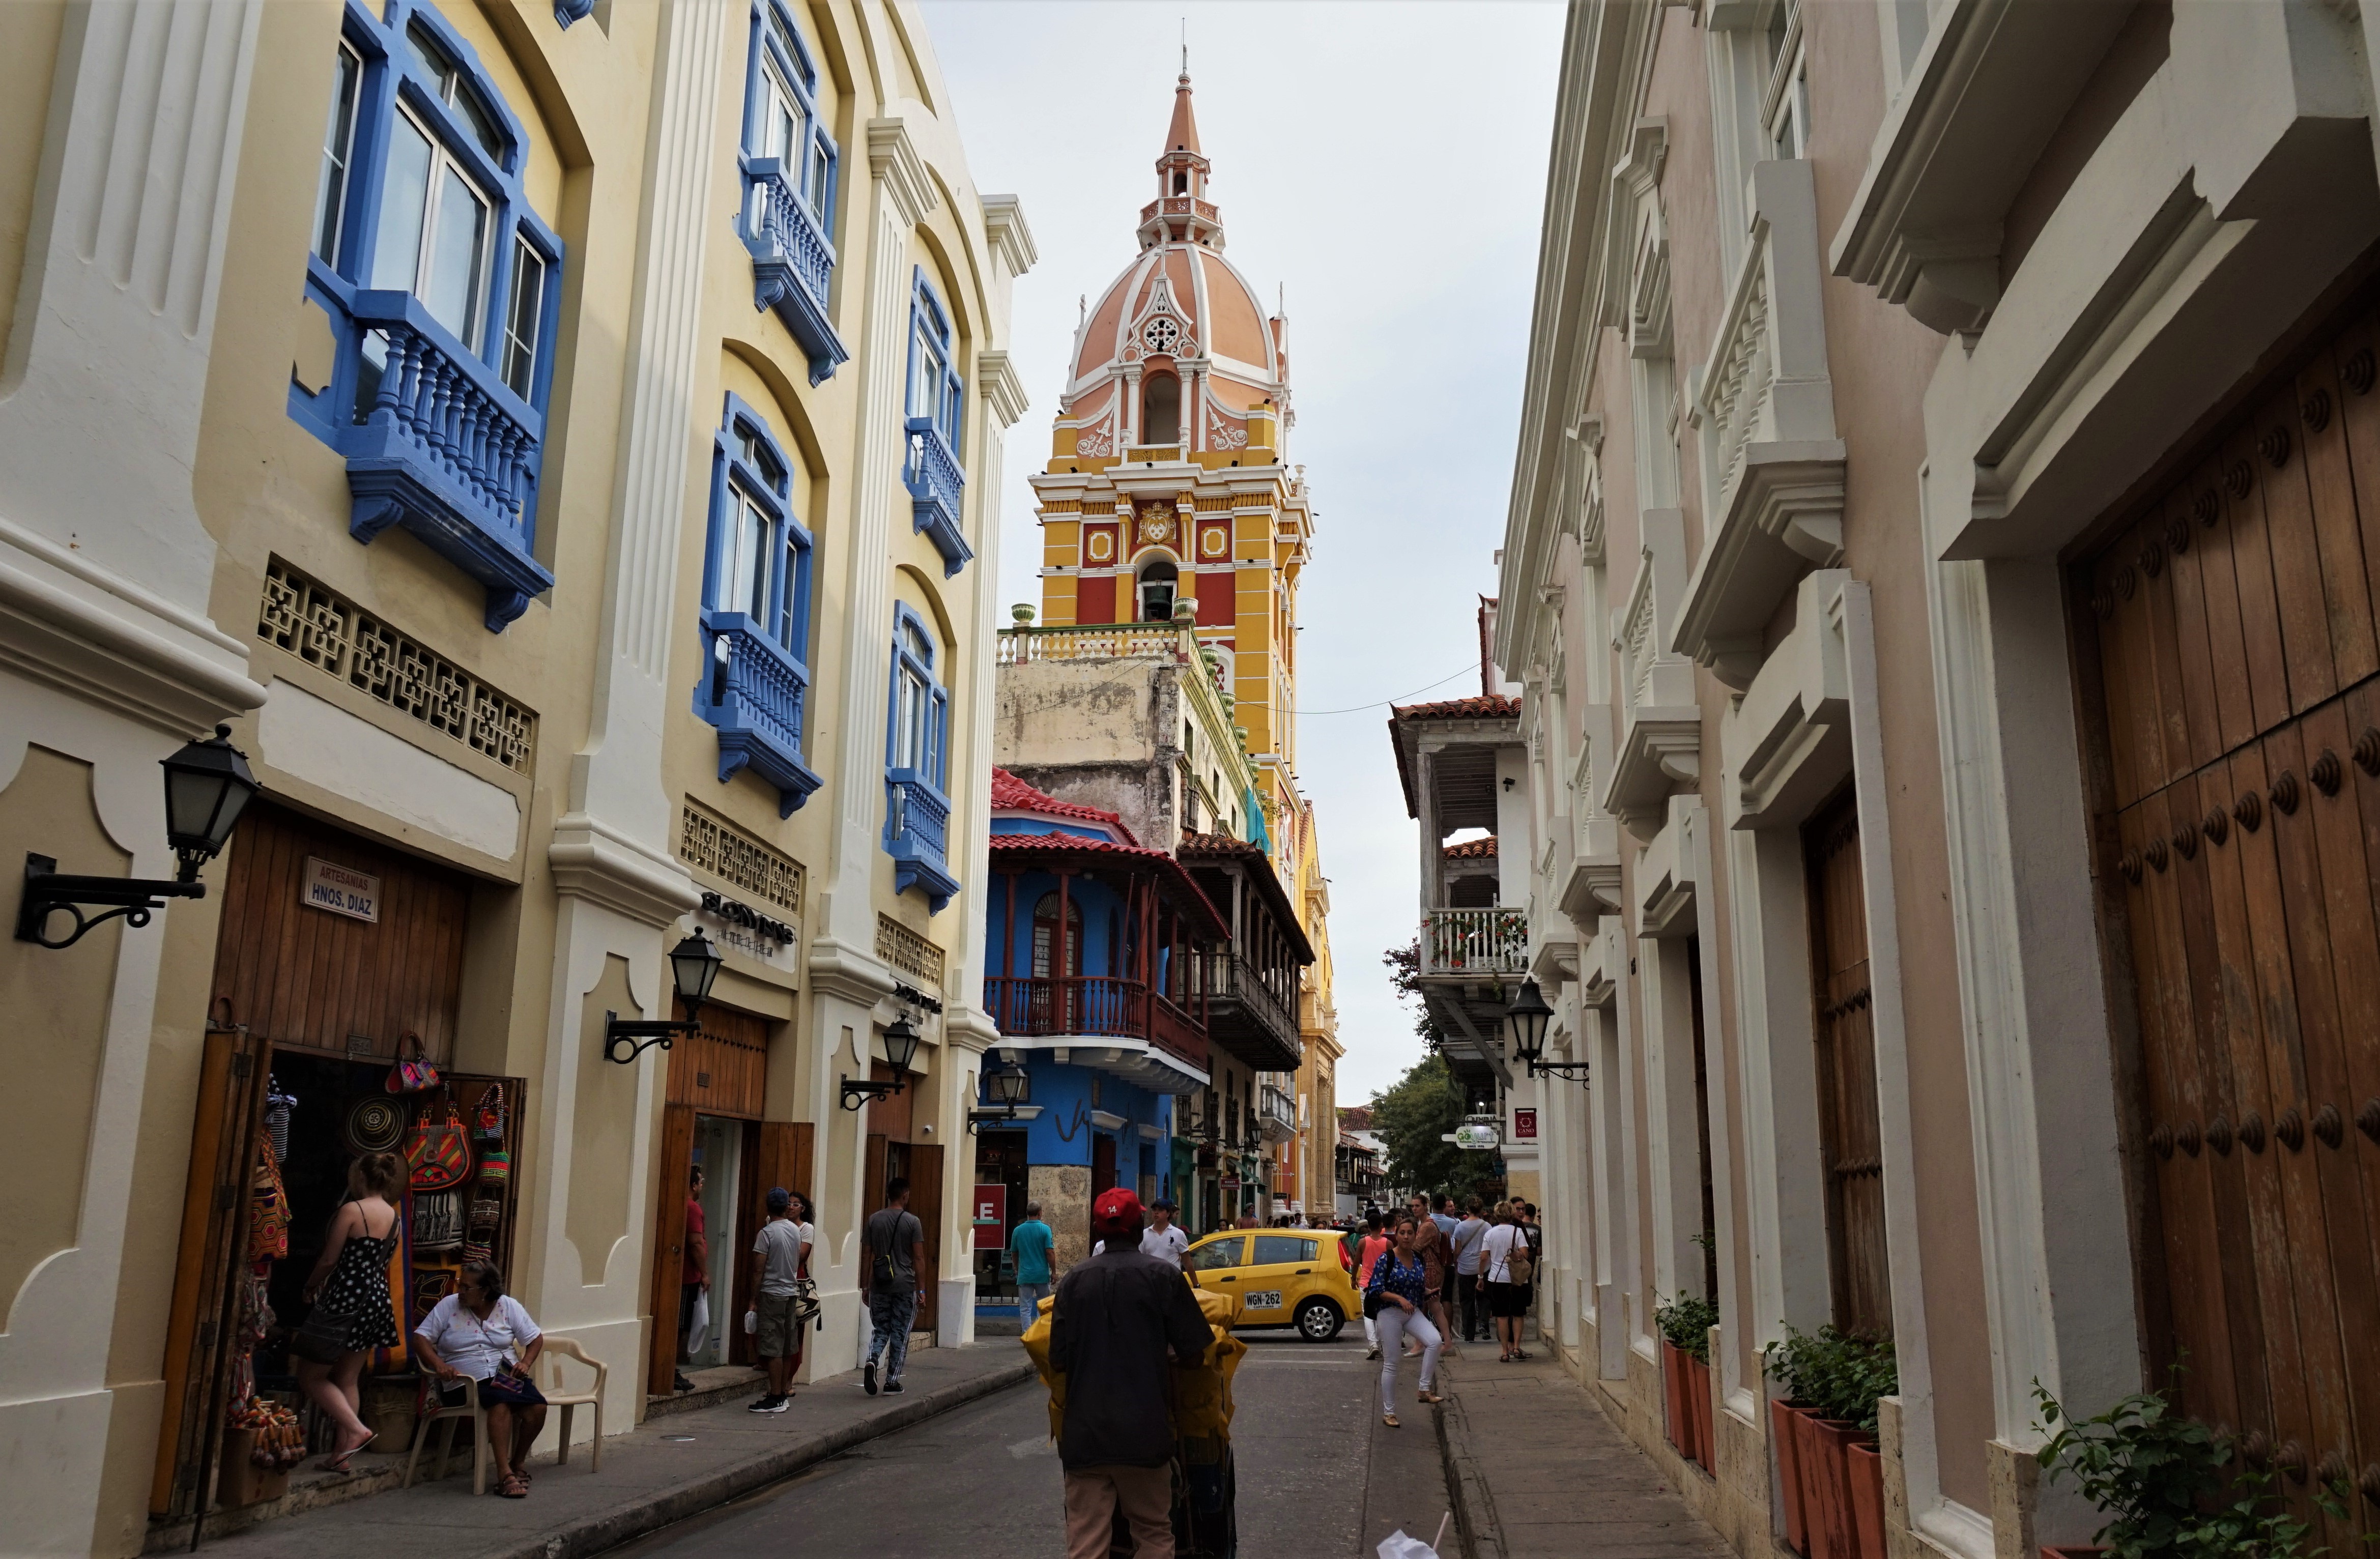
point(1684, 1323)
point(1830, 1383)
point(2161, 1478)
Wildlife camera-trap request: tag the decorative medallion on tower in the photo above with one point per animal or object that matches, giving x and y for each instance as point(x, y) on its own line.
point(1157, 522)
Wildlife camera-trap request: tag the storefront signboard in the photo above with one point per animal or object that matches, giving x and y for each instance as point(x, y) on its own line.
point(1525, 1126)
point(762, 938)
point(1476, 1137)
point(339, 890)
point(992, 1217)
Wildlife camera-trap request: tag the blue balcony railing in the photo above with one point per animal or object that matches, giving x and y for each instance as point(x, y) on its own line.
point(754, 692)
point(917, 833)
point(935, 483)
point(443, 447)
point(793, 263)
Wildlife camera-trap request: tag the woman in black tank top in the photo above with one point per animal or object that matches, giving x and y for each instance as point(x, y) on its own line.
point(351, 1280)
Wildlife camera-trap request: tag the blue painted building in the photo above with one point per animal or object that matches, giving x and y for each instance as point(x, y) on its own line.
point(1092, 942)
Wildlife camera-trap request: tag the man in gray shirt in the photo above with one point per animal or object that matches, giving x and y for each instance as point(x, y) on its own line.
point(891, 1253)
point(776, 1273)
point(1466, 1242)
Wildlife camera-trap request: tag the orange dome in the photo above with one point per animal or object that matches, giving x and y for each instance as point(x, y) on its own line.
point(1179, 309)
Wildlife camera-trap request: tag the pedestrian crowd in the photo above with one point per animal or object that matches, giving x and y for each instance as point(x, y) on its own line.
point(1427, 1273)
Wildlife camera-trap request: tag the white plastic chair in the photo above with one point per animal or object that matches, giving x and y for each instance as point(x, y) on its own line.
point(451, 1417)
point(559, 1349)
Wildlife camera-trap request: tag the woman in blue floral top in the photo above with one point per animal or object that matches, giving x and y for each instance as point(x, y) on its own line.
point(1400, 1279)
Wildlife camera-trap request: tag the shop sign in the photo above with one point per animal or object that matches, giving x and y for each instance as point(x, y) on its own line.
point(992, 1217)
point(1476, 1137)
point(1230, 1182)
point(339, 890)
point(1525, 1126)
point(733, 923)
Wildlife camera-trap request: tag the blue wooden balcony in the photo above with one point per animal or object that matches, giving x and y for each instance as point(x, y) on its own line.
point(793, 263)
point(754, 692)
point(935, 484)
point(441, 446)
point(916, 834)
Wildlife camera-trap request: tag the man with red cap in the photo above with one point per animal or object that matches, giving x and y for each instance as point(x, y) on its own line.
point(1115, 1318)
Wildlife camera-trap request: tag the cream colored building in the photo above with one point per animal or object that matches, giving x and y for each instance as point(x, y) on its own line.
point(1937, 578)
point(573, 475)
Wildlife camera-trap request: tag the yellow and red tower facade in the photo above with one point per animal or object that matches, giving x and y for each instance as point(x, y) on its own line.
point(1169, 477)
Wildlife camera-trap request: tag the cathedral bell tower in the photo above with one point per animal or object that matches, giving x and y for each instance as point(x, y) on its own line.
point(1169, 477)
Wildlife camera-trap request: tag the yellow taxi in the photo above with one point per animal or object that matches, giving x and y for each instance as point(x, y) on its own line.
point(1301, 1277)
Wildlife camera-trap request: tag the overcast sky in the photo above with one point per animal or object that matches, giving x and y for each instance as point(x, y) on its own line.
point(1384, 164)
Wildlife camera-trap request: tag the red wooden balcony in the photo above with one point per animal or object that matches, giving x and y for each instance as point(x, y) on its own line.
point(1094, 1006)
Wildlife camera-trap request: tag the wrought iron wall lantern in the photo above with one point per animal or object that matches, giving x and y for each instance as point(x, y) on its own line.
point(694, 965)
point(207, 786)
point(1525, 1026)
point(1007, 1086)
point(900, 1047)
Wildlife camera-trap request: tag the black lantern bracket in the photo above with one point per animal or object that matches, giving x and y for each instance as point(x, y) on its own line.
point(624, 1041)
point(48, 890)
point(694, 965)
point(1525, 1024)
point(1574, 1070)
point(207, 786)
point(901, 1038)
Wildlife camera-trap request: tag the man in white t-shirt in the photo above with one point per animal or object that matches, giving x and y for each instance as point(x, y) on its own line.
point(1162, 1238)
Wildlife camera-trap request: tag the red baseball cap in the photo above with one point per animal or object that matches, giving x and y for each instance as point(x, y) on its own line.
point(1118, 1208)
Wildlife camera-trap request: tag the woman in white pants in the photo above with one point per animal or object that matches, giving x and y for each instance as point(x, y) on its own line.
point(1402, 1280)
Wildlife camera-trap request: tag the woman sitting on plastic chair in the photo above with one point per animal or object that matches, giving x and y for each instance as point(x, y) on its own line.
point(481, 1335)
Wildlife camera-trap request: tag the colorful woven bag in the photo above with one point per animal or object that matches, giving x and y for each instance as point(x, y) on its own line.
point(495, 1167)
point(488, 1118)
point(437, 1152)
point(414, 1073)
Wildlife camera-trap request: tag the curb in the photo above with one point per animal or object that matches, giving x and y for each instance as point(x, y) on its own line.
point(593, 1535)
point(1479, 1539)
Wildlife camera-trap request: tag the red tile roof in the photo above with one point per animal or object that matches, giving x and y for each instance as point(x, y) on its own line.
point(1494, 707)
point(1011, 794)
point(1218, 844)
point(1473, 849)
point(1136, 857)
point(1199, 849)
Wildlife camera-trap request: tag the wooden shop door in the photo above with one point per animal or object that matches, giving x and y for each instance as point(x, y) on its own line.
point(1852, 1145)
point(2229, 649)
point(720, 1071)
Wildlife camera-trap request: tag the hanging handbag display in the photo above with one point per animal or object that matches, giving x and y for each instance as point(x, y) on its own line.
point(323, 1337)
point(430, 1285)
point(412, 1073)
point(487, 1116)
point(277, 1108)
point(437, 1152)
point(437, 1221)
point(495, 1167)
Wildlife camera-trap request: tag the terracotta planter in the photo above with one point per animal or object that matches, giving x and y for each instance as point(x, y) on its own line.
point(1680, 1427)
point(1867, 1499)
point(1833, 1487)
point(1781, 1417)
point(1698, 1382)
point(1809, 1457)
point(2069, 1553)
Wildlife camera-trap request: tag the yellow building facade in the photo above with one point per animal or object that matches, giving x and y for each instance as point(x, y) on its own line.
point(561, 442)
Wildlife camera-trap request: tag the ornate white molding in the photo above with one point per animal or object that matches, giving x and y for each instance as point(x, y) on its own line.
point(1011, 239)
point(1788, 742)
point(1000, 385)
point(893, 159)
point(591, 860)
point(839, 969)
point(1661, 737)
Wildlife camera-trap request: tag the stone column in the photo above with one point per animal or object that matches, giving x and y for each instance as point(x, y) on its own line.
point(621, 893)
point(108, 662)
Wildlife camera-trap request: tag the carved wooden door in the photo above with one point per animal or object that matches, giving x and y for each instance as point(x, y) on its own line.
point(1851, 1145)
point(2238, 790)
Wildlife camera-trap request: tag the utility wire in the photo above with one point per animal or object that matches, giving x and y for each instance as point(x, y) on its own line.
point(1383, 702)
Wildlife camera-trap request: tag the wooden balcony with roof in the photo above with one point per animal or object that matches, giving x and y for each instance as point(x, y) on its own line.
point(1250, 985)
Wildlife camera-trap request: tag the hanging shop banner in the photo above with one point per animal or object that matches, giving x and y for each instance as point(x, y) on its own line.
point(1476, 1137)
point(992, 1217)
point(1525, 1126)
point(339, 890)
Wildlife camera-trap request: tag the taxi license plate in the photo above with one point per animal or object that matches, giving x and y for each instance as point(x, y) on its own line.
point(1268, 1298)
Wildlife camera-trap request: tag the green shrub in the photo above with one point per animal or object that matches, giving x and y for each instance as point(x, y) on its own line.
point(2160, 1478)
point(1839, 1374)
point(1686, 1320)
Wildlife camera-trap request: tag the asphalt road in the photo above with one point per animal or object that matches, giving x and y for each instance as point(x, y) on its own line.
point(982, 1482)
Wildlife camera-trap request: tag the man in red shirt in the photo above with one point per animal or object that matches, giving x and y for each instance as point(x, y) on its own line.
point(694, 1274)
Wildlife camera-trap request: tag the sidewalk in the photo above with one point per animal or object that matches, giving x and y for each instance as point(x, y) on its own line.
point(666, 1469)
point(1538, 1471)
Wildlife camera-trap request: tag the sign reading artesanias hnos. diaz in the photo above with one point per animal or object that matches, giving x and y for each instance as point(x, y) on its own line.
point(340, 890)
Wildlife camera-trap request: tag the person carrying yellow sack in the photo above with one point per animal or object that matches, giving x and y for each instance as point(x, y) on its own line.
point(1113, 1323)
